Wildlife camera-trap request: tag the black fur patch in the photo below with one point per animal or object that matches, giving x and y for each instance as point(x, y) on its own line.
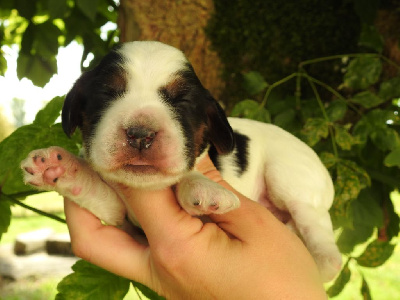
point(241, 152)
point(92, 93)
point(213, 153)
point(185, 95)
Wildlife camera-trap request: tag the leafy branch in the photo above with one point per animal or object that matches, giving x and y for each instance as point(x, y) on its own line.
point(356, 136)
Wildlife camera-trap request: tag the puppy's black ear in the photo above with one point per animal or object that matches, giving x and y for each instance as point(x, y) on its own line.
point(220, 132)
point(71, 115)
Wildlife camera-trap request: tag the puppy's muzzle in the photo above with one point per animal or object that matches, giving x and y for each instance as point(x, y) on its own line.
point(140, 138)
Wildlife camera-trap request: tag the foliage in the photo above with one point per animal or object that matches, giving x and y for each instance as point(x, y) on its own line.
point(84, 283)
point(273, 37)
point(356, 134)
point(40, 27)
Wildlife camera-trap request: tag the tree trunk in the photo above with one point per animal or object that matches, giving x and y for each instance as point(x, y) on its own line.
point(177, 23)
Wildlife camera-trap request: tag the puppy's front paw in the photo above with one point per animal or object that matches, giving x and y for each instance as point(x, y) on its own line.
point(200, 196)
point(44, 168)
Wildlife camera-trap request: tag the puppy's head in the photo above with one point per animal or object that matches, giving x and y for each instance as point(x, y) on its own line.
point(144, 115)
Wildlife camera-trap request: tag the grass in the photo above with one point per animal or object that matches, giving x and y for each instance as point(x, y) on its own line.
point(384, 281)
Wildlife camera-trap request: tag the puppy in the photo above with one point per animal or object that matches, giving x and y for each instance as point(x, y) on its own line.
point(146, 120)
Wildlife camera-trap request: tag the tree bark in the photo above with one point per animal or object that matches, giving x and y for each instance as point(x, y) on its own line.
point(177, 23)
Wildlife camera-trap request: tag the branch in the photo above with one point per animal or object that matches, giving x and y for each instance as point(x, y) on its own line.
point(38, 211)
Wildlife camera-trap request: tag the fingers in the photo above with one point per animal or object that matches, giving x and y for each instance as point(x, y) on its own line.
point(161, 217)
point(244, 222)
point(101, 244)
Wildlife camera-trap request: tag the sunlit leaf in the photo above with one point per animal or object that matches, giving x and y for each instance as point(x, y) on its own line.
point(25, 139)
point(150, 294)
point(340, 281)
point(91, 282)
point(365, 291)
point(37, 68)
point(49, 114)
point(376, 254)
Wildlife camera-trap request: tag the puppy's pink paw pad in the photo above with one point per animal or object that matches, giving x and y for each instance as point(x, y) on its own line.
point(43, 167)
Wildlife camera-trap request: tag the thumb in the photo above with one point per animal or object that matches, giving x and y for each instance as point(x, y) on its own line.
point(160, 216)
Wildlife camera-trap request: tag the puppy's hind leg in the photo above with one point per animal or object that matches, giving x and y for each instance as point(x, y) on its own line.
point(315, 228)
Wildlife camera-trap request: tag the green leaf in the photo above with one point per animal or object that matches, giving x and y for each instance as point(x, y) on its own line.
point(251, 109)
point(26, 8)
point(371, 38)
point(366, 99)
point(88, 8)
point(385, 138)
point(57, 8)
point(286, 119)
point(150, 294)
point(254, 82)
point(371, 124)
point(314, 130)
point(340, 281)
point(351, 237)
point(3, 64)
point(336, 110)
point(25, 139)
point(393, 226)
point(350, 180)
point(27, 39)
point(366, 215)
point(390, 89)
point(365, 291)
point(46, 39)
point(328, 159)
point(393, 158)
point(5, 215)
point(91, 282)
point(50, 113)
point(376, 254)
point(354, 169)
point(36, 68)
point(343, 138)
point(363, 72)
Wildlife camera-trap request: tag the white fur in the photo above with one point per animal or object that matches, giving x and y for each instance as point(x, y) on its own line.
point(283, 173)
point(141, 106)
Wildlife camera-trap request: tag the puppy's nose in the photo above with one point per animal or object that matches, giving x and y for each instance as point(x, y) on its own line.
point(139, 137)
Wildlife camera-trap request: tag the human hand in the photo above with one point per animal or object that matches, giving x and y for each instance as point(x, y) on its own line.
point(246, 253)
